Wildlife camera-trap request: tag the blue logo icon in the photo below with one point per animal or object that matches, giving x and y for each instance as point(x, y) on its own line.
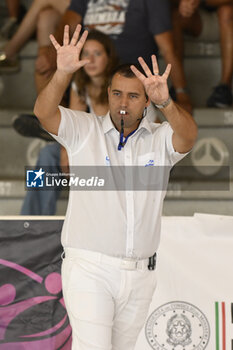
point(35, 178)
point(150, 163)
point(107, 161)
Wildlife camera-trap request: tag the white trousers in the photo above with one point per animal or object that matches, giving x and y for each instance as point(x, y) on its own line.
point(107, 299)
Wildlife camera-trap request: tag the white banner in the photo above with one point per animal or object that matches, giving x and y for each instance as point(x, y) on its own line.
point(192, 308)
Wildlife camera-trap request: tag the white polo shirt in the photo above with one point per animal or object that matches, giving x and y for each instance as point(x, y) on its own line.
point(116, 223)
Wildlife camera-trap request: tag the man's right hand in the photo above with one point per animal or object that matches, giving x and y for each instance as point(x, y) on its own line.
point(68, 55)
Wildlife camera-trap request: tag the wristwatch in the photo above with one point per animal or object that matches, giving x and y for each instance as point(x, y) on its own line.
point(164, 104)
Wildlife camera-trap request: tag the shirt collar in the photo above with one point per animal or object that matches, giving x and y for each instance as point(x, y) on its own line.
point(145, 124)
point(108, 124)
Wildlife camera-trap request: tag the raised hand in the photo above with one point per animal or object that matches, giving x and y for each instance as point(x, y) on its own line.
point(68, 55)
point(155, 85)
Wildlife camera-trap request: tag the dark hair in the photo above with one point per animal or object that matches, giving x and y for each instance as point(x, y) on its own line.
point(81, 77)
point(125, 70)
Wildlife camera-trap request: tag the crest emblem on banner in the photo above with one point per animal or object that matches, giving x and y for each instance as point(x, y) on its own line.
point(177, 325)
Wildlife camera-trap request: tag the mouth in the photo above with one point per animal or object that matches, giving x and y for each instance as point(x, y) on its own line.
point(123, 113)
point(90, 67)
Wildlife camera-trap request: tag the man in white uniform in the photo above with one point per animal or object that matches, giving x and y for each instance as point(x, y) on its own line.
point(108, 236)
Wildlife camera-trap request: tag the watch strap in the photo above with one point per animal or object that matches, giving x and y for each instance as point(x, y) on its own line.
point(165, 103)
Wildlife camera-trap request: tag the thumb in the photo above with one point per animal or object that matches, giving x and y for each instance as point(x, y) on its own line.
point(83, 63)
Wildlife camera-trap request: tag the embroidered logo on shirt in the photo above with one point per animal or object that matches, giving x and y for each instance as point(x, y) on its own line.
point(150, 163)
point(107, 161)
point(106, 16)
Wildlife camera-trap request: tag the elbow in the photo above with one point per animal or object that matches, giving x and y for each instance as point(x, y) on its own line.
point(36, 110)
point(193, 135)
point(195, 132)
point(38, 113)
point(186, 141)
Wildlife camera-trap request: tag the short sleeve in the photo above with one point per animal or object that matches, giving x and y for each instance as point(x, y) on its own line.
point(74, 128)
point(79, 7)
point(173, 155)
point(159, 16)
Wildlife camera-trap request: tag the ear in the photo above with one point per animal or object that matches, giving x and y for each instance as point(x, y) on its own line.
point(147, 101)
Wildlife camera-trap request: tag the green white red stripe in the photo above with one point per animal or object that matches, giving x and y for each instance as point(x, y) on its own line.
point(220, 325)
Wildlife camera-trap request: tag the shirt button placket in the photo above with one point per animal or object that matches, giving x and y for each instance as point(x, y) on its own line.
point(129, 202)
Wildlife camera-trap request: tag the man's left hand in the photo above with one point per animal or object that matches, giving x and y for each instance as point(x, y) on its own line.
point(155, 85)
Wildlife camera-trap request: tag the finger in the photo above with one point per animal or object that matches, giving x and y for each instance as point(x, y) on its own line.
point(76, 35)
point(167, 71)
point(83, 63)
point(82, 40)
point(155, 65)
point(66, 36)
point(138, 74)
point(54, 42)
point(145, 66)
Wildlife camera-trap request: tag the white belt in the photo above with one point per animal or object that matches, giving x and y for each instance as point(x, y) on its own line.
point(122, 263)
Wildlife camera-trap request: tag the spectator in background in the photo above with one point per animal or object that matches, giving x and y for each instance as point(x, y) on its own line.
point(138, 27)
point(44, 15)
point(88, 94)
point(14, 14)
point(198, 18)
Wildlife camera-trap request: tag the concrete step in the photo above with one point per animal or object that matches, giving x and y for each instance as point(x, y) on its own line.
point(191, 206)
point(214, 117)
point(19, 88)
point(210, 117)
point(195, 48)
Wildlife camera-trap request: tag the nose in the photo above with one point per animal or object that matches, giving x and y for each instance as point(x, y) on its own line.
point(91, 58)
point(123, 102)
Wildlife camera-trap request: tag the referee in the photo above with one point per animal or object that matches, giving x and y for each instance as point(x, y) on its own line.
point(110, 237)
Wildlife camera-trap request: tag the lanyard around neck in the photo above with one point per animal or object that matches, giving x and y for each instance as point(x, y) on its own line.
point(123, 141)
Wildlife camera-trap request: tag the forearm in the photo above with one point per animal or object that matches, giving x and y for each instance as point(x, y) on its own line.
point(48, 100)
point(183, 125)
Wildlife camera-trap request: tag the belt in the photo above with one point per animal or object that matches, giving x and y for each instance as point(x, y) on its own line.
point(122, 263)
